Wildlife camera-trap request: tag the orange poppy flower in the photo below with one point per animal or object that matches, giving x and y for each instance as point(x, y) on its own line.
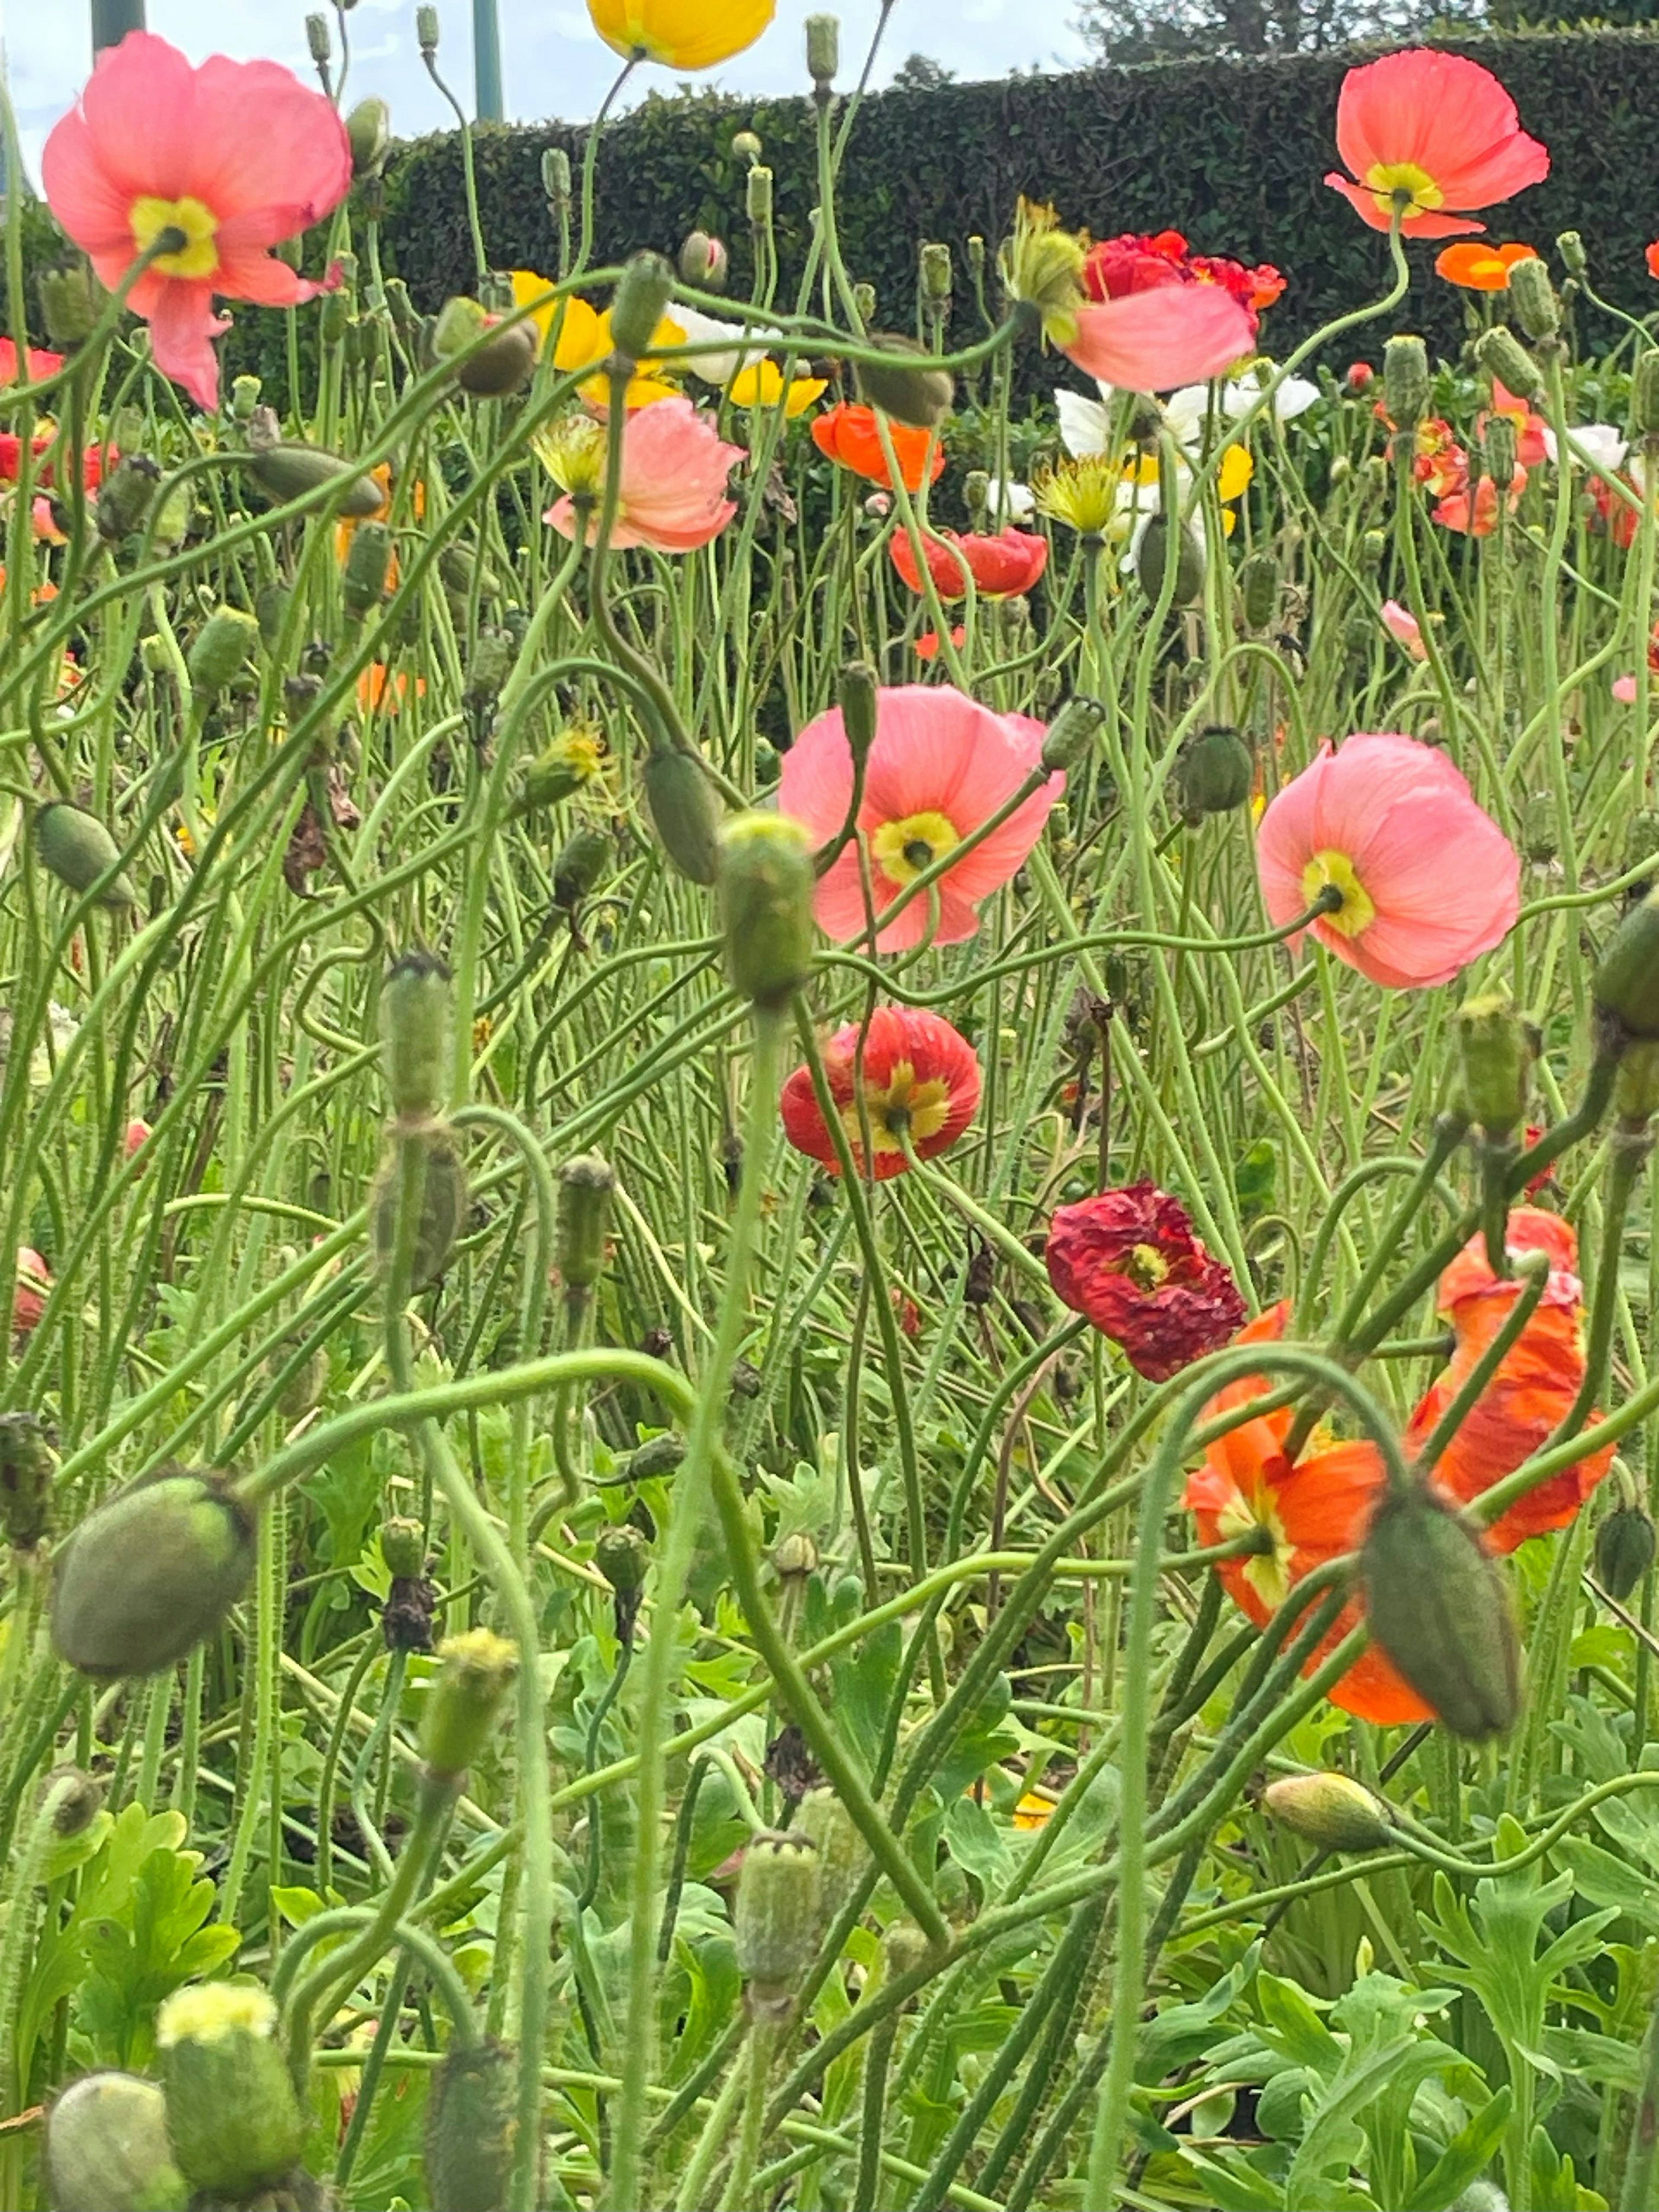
point(848, 435)
point(1313, 1511)
point(1535, 1386)
point(1479, 267)
point(375, 690)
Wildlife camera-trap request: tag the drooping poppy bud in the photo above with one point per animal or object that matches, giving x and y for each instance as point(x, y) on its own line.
point(1072, 732)
point(1153, 556)
point(1505, 359)
point(418, 1021)
point(576, 866)
point(623, 1556)
point(1644, 393)
point(70, 302)
point(221, 650)
point(1332, 1810)
point(472, 2128)
point(477, 1672)
point(26, 1469)
point(368, 128)
point(1258, 589)
point(775, 1918)
point(1625, 1547)
point(77, 849)
point(146, 1577)
point(906, 385)
point(367, 565)
point(1214, 774)
point(558, 771)
point(684, 811)
point(107, 2150)
point(1625, 983)
point(766, 888)
point(498, 367)
point(233, 2118)
point(1436, 1606)
point(443, 1206)
point(585, 1184)
point(843, 1855)
point(1405, 381)
point(286, 470)
point(641, 299)
point(660, 1455)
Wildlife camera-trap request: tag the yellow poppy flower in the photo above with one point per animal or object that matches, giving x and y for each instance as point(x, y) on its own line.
point(761, 384)
point(1233, 478)
point(682, 35)
point(585, 341)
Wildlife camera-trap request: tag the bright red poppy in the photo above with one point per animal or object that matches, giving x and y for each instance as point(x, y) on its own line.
point(11, 458)
point(1000, 565)
point(1129, 1260)
point(847, 433)
point(908, 1070)
point(1149, 261)
point(1652, 258)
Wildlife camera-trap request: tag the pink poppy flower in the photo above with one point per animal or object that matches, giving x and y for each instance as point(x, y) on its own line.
point(40, 365)
point(673, 482)
point(31, 1285)
point(238, 156)
point(1405, 628)
point(940, 765)
point(1439, 128)
point(1624, 690)
point(1153, 341)
point(1428, 881)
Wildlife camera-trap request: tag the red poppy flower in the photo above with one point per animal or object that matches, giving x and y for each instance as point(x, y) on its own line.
point(848, 435)
point(1652, 258)
point(1128, 1260)
point(1011, 561)
point(41, 364)
point(1141, 262)
point(916, 1074)
point(1535, 1386)
point(11, 458)
point(31, 1282)
point(1438, 462)
point(1360, 375)
point(1478, 518)
point(928, 644)
point(1612, 517)
point(1313, 1512)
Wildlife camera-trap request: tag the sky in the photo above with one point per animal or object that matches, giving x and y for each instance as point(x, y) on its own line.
point(555, 64)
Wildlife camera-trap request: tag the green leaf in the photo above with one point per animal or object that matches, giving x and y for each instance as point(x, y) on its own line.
point(1464, 2160)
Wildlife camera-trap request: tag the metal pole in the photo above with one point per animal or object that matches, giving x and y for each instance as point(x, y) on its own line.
point(113, 18)
point(487, 61)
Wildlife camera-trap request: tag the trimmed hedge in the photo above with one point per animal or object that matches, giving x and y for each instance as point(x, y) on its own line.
point(1232, 152)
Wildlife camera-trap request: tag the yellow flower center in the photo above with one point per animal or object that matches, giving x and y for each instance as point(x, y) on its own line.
point(903, 849)
point(920, 1108)
point(1268, 1573)
point(199, 257)
point(1146, 1267)
point(1330, 870)
point(1404, 185)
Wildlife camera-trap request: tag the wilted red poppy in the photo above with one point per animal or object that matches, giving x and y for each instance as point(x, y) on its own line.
point(1480, 267)
point(1011, 561)
point(1534, 1387)
point(847, 433)
point(1313, 1512)
point(1129, 1260)
point(915, 1075)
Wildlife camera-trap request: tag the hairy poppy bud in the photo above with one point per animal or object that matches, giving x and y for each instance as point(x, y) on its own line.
point(270, 607)
point(576, 866)
point(1072, 732)
point(107, 2149)
point(1625, 983)
point(1258, 589)
point(487, 673)
point(843, 1855)
point(857, 689)
point(704, 261)
point(1213, 774)
point(78, 849)
point(1533, 301)
point(822, 49)
point(661, 1455)
point(233, 2118)
point(775, 1918)
point(584, 1187)
point(641, 297)
point(368, 128)
point(558, 771)
point(623, 1556)
point(1405, 381)
point(417, 1020)
point(1495, 1053)
point(1436, 1606)
point(475, 1674)
point(318, 41)
point(367, 565)
point(495, 369)
point(1153, 557)
point(145, 1578)
point(684, 811)
point(766, 887)
point(758, 196)
point(1502, 446)
point(1541, 833)
point(1505, 359)
point(796, 1556)
point(933, 268)
point(745, 147)
point(69, 301)
point(1372, 547)
point(472, 2128)
point(1625, 1547)
point(426, 31)
point(403, 1546)
point(1644, 393)
point(287, 471)
point(443, 1206)
point(905, 385)
point(26, 1469)
point(1570, 247)
point(863, 299)
point(221, 650)
point(1331, 1810)
point(1636, 1084)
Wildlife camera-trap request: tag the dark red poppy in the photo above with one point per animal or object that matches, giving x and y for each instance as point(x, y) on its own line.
point(1011, 561)
point(917, 1075)
point(1148, 261)
point(1129, 1260)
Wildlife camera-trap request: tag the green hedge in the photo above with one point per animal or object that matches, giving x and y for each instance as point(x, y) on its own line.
point(1231, 153)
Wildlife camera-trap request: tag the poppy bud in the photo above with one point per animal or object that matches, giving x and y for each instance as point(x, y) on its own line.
point(1505, 359)
point(704, 261)
point(1214, 774)
point(1533, 301)
point(233, 2118)
point(641, 297)
point(145, 1578)
point(758, 197)
point(1625, 983)
point(766, 887)
point(68, 305)
point(1360, 375)
point(403, 1546)
point(1641, 844)
point(559, 771)
point(584, 1187)
point(1644, 394)
point(79, 1800)
point(1570, 247)
point(906, 385)
point(1502, 446)
point(1072, 732)
point(797, 1556)
point(1541, 835)
point(287, 471)
point(472, 2128)
point(221, 650)
point(684, 811)
point(495, 369)
point(623, 1556)
point(26, 1469)
point(1258, 589)
point(368, 128)
point(863, 299)
point(1154, 552)
point(271, 606)
point(1405, 381)
point(106, 2147)
point(317, 39)
point(661, 1455)
point(368, 564)
point(77, 849)
point(775, 1918)
point(426, 31)
point(1436, 1606)
point(857, 690)
point(842, 1852)
point(745, 147)
point(443, 1206)
point(1495, 1053)
point(1372, 547)
point(1625, 1547)
point(487, 673)
point(556, 178)
point(1331, 1810)
point(417, 1017)
point(934, 269)
point(475, 1674)
point(822, 51)
point(576, 866)
point(977, 494)
point(1636, 1084)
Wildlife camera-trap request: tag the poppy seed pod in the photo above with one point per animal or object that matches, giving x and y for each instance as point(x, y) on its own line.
point(1258, 589)
point(684, 811)
point(642, 298)
point(1625, 1547)
point(1644, 394)
point(233, 2118)
point(766, 888)
point(1214, 774)
point(145, 1578)
point(1405, 381)
point(704, 261)
point(775, 1918)
point(906, 385)
point(27, 1471)
point(287, 471)
point(1435, 1605)
point(1153, 553)
point(417, 1022)
point(443, 1206)
point(1505, 359)
point(106, 2147)
point(623, 1556)
point(368, 128)
point(1495, 1053)
point(77, 849)
point(1502, 446)
point(584, 1187)
point(1071, 733)
point(472, 2128)
point(1533, 301)
point(1331, 1810)
point(368, 564)
point(475, 1673)
point(858, 691)
point(1625, 983)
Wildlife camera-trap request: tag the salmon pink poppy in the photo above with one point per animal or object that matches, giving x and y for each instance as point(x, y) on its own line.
point(940, 766)
point(1432, 136)
point(30, 1284)
point(1533, 436)
point(1405, 628)
point(1480, 268)
point(40, 364)
point(847, 434)
point(1475, 512)
point(1011, 561)
point(235, 156)
point(1534, 1387)
point(907, 1074)
point(674, 468)
point(1129, 1260)
point(1307, 1514)
point(1421, 882)
point(1151, 341)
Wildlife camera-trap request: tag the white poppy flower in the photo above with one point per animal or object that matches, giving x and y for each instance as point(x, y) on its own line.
point(1085, 425)
point(1017, 502)
point(1605, 446)
point(721, 364)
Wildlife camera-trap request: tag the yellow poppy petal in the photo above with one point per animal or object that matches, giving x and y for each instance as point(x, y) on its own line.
point(579, 341)
point(683, 34)
point(528, 286)
point(803, 392)
point(1236, 470)
point(759, 384)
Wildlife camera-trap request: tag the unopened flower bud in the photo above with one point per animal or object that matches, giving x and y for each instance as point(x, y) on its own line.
point(556, 177)
point(822, 49)
point(472, 2128)
point(558, 771)
point(643, 294)
point(1533, 301)
point(704, 261)
point(661, 1455)
point(1502, 444)
point(368, 128)
point(1258, 589)
point(864, 300)
point(623, 1556)
point(1153, 556)
point(221, 650)
point(1636, 1084)
point(443, 1205)
point(1072, 732)
point(69, 301)
point(1373, 545)
point(367, 565)
point(766, 887)
point(1436, 1606)
point(233, 2118)
point(1214, 774)
point(796, 1556)
point(935, 265)
point(685, 812)
point(858, 690)
point(576, 866)
point(585, 1184)
point(1540, 830)
point(1625, 983)
point(77, 849)
point(76, 1800)
point(1625, 1547)
point(775, 1918)
point(1505, 359)
point(403, 1546)
point(286, 471)
point(27, 1471)
point(1644, 394)
point(145, 1578)
point(106, 2147)
point(426, 31)
point(487, 673)
point(1570, 247)
point(1405, 381)
point(318, 40)
point(1495, 1053)
point(977, 494)
point(494, 370)
point(475, 1674)
point(125, 497)
point(746, 147)
point(906, 385)
point(758, 198)
point(417, 1016)
point(1331, 1810)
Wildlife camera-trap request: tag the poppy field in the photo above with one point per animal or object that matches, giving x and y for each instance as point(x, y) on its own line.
point(832, 1378)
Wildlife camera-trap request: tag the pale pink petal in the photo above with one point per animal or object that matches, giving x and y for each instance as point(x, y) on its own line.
point(1624, 690)
point(183, 327)
point(816, 784)
point(1152, 341)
